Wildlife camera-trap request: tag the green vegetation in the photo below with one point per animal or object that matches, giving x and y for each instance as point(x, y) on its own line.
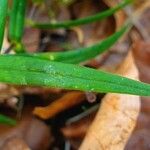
point(3, 14)
point(6, 120)
point(53, 69)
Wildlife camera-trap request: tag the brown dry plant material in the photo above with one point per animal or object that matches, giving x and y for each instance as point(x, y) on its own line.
point(15, 144)
point(29, 132)
point(120, 16)
point(116, 117)
point(79, 128)
point(68, 100)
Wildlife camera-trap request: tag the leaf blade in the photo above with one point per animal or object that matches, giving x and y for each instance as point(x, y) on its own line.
point(37, 72)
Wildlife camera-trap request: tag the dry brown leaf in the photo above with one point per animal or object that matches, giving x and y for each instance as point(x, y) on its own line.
point(32, 132)
point(96, 31)
point(141, 52)
point(140, 140)
point(68, 100)
point(116, 117)
point(140, 17)
point(79, 34)
point(31, 39)
point(120, 16)
point(15, 144)
point(141, 136)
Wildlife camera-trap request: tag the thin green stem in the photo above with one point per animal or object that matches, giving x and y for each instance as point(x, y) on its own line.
point(77, 22)
point(86, 53)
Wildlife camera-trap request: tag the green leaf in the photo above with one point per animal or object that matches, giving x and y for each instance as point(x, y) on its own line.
point(86, 53)
point(3, 14)
point(7, 120)
point(16, 23)
point(77, 22)
point(20, 70)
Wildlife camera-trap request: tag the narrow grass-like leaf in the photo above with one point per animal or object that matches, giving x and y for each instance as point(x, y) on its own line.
point(83, 54)
point(77, 22)
point(3, 14)
point(21, 70)
point(16, 23)
point(17, 16)
point(6, 120)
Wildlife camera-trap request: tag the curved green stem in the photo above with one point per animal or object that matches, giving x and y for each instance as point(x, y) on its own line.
point(3, 14)
point(77, 22)
point(83, 54)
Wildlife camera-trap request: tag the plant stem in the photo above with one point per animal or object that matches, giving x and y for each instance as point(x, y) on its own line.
point(77, 22)
point(83, 54)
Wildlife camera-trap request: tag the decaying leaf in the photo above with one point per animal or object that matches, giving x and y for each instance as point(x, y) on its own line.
point(116, 117)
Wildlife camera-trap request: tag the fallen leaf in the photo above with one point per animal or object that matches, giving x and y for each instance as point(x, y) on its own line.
point(25, 131)
point(116, 117)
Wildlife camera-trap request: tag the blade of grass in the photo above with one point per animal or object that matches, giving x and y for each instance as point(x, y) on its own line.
point(16, 24)
point(77, 22)
point(20, 70)
point(6, 120)
point(83, 54)
point(3, 14)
